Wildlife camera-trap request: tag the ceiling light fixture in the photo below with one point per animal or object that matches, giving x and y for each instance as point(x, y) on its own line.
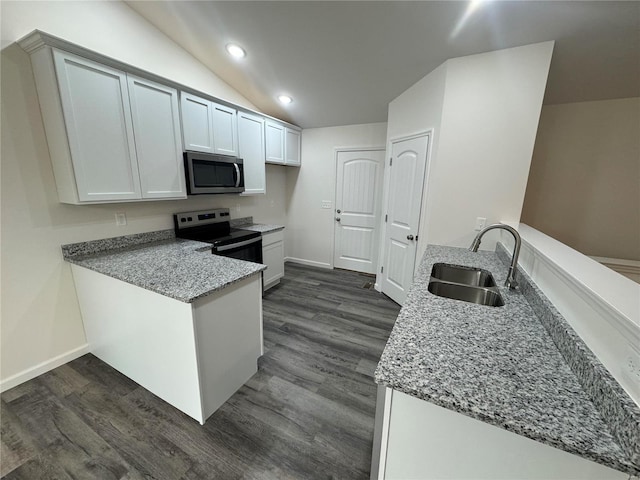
point(286, 99)
point(236, 50)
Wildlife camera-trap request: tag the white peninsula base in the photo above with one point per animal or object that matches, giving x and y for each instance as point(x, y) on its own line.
point(192, 355)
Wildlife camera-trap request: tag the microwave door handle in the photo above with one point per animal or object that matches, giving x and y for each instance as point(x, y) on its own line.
point(237, 174)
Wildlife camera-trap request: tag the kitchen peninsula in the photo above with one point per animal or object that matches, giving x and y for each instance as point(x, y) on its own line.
point(474, 391)
point(181, 322)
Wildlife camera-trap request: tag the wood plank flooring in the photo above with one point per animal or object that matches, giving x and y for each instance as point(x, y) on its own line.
point(307, 414)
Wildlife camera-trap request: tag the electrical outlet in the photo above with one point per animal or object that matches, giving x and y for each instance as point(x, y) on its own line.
point(481, 222)
point(121, 219)
point(326, 204)
point(631, 367)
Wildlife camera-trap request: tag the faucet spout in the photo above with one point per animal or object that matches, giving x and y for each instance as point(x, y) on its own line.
point(511, 281)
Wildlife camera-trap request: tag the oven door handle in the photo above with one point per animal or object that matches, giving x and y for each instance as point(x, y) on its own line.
point(224, 248)
point(237, 174)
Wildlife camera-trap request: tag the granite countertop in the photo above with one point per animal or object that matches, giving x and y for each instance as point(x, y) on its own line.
point(181, 269)
point(495, 364)
point(246, 223)
point(262, 228)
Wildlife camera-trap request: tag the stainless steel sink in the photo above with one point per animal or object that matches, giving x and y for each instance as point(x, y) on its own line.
point(460, 274)
point(466, 293)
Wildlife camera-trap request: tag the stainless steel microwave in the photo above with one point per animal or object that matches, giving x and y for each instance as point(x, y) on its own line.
point(207, 173)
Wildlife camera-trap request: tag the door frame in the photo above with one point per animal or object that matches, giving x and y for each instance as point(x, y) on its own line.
point(336, 151)
point(429, 132)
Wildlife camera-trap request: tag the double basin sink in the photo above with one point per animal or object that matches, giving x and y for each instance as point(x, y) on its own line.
point(468, 284)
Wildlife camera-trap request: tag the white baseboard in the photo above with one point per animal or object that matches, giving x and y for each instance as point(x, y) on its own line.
point(33, 372)
point(310, 263)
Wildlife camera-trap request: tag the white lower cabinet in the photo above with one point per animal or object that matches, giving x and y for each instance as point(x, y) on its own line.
point(415, 439)
point(112, 136)
point(273, 258)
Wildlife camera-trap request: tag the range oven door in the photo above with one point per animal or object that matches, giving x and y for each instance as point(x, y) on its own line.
point(248, 250)
point(208, 173)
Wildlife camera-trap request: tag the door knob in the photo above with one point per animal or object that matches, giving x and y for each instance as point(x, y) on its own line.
point(337, 219)
point(338, 211)
point(409, 237)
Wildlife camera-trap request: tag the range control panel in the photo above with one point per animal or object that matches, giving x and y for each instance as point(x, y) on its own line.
point(201, 217)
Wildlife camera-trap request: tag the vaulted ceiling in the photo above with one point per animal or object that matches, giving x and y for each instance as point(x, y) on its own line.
point(344, 61)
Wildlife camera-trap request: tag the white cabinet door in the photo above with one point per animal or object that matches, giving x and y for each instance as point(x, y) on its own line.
point(251, 150)
point(197, 123)
point(224, 130)
point(97, 117)
point(273, 258)
point(274, 140)
point(292, 147)
point(156, 127)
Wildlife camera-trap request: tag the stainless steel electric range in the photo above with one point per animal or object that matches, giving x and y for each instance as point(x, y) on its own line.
point(214, 227)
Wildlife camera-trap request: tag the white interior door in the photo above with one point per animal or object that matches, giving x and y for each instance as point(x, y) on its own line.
point(357, 214)
point(406, 180)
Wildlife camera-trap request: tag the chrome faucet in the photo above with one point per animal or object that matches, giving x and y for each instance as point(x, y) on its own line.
point(511, 281)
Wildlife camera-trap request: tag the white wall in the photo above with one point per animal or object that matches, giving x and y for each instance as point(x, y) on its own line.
point(490, 117)
point(309, 232)
point(419, 109)
point(40, 315)
point(483, 112)
point(584, 185)
point(112, 28)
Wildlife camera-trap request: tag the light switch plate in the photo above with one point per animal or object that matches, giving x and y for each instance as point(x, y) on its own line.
point(121, 219)
point(326, 204)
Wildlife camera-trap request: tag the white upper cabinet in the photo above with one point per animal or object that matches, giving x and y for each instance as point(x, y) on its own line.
point(251, 150)
point(197, 123)
point(117, 134)
point(282, 144)
point(97, 116)
point(112, 137)
point(208, 127)
point(274, 139)
point(224, 130)
point(156, 127)
point(292, 147)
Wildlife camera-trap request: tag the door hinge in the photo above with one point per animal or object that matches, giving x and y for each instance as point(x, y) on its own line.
point(381, 269)
point(385, 218)
point(390, 161)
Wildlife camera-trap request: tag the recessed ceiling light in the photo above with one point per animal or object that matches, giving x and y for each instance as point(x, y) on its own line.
point(286, 99)
point(236, 50)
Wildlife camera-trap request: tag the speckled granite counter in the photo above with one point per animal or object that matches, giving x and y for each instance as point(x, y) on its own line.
point(246, 223)
point(495, 364)
point(181, 269)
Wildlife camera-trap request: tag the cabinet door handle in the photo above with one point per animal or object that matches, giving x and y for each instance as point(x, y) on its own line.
point(337, 219)
point(338, 211)
point(409, 237)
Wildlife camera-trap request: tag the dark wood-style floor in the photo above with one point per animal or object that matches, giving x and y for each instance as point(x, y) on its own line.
point(308, 412)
